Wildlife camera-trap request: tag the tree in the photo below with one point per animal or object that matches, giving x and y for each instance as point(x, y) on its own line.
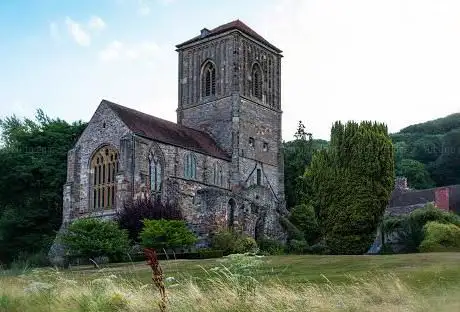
point(445, 170)
point(352, 182)
point(416, 173)
point(34, 160)
point(92, 237)
point(297, 155)
point(304, 218)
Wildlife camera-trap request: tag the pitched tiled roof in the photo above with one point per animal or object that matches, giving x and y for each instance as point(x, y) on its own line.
point(234, 25)
point(167, 132)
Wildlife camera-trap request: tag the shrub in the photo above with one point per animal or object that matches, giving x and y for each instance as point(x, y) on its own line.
point(304, 218)
point(130, 218)
point(440, 237)
point(245, 244)
point(233, 242)
point(270, 247)
point(92, 238)
point(224, 240)
point(298, 246)
point(319, 248)
point(409, 228)
point(159, 234)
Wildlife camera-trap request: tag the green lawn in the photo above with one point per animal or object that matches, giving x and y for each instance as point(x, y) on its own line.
point(416, 269)
point(433, 279)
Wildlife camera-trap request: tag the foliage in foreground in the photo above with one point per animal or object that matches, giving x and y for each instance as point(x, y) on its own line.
point(227, 288)
point(91, 237)
point(352, 182)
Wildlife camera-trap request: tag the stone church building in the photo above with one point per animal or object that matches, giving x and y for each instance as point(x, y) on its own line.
point(221, 163)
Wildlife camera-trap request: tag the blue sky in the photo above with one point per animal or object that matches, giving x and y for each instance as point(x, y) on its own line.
point(395, 61)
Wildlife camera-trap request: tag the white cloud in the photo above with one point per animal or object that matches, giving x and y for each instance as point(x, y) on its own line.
point(77, 32)
point(96, 24)
point(117, 51)
point(54, 31)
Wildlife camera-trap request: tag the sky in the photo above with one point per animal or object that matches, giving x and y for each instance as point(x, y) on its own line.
point(392, 61)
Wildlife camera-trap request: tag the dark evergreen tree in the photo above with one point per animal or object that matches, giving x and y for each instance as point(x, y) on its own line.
point(352, 182)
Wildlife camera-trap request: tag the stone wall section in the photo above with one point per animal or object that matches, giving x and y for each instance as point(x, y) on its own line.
point(104, 128)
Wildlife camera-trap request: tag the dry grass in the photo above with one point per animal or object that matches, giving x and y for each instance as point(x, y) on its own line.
point(231, 286)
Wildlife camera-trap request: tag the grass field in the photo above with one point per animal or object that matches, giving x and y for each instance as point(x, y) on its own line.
point(415, 282)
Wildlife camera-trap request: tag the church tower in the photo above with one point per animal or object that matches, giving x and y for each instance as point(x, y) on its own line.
point(230, 87)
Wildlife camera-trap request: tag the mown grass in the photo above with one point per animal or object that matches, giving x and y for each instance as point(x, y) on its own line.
point(415, 282)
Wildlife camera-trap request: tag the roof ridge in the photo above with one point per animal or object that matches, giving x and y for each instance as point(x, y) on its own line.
point(166, 131)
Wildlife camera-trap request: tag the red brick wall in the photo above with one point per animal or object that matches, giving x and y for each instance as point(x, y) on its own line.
point(442, 198)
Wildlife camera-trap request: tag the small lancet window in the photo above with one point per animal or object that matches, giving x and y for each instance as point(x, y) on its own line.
point(190, 166)
point(156, 175)
point(218, 175)
point(208, 79)
point(256, 81)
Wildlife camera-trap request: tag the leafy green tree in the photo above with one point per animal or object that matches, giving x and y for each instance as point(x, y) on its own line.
point(162, 233)
point(304, 218)
point(297, 156)
point(445, 170)
point(352, 182)
point(416, 173)
point(33, 155)
point(91, 237)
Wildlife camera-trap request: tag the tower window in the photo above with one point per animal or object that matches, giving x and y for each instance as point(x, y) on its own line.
point(256, 81)
point(251, 142)
point(208, 79)
point(265, 147)
point(259, 177)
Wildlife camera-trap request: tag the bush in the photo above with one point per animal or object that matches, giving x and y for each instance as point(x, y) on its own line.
point(233, 242)
point(319, 248)
point(224, 240)
point(270, 247)
point(159, 234)
point(92, 238)
point(298, 246)
point(410, 228)
point(245, 244)
point(130, 218)
point(440, 237)
point(304, 218)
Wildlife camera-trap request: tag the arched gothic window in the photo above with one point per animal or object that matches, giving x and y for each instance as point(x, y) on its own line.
point(256, 81)
point(104, 167)
point(208, 79)
point(156, 175)
point(190, 166)
point(218, 175)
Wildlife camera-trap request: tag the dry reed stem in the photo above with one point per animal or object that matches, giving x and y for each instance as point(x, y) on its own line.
point(157, 276)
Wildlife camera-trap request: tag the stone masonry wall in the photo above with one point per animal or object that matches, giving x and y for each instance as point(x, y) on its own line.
point(104, 128)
